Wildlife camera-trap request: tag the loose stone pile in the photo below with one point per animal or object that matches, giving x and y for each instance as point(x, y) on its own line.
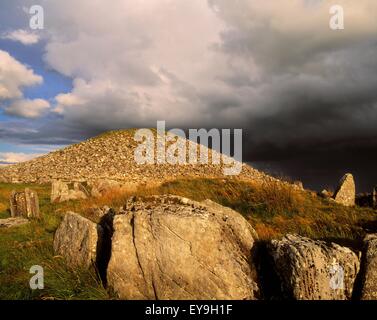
point(110, 157)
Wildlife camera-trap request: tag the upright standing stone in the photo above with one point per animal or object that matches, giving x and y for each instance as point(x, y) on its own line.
point(13, 205)
point(76, 239)
point(59, 189)
point(346, 191)
point(24, 204)
point(374, 197)
point(369, 275)
point(32, 204)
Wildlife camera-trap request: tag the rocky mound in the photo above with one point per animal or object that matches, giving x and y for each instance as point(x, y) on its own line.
point(110, 156)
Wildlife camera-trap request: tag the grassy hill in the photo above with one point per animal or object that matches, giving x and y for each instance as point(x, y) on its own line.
point(273, 209)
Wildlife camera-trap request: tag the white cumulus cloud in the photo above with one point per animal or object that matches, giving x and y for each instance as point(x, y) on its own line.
point(13, 76)
point(27, 108)
point(15, 157)
point(23, 36)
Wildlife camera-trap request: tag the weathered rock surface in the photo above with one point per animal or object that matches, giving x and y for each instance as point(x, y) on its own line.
point(64, 191)
point(346, 191)
point(314, 270)
point(369, 277)
point(174, 248)
point(13, 222)
point(76, 240)
point(24, 204)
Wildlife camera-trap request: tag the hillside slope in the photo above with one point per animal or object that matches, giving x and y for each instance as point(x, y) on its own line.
point(109, 156)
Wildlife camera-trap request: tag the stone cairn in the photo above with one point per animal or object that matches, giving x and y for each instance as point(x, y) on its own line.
point(24, 204)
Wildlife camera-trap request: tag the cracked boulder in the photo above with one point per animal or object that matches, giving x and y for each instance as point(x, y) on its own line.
point(369, 277)
point(314, 270)
point(76, 240)
point(170, 247)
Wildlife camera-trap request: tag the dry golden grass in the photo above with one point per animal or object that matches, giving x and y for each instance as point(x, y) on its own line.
point(273, 209)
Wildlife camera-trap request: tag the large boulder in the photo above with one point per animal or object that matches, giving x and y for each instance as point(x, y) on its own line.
point(369, 275)
point(314, 270)
point(346, 191)
point(173, 248)
point(76, 240)
point(24, 204)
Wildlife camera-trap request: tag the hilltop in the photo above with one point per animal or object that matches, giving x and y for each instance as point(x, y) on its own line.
point(111, 156)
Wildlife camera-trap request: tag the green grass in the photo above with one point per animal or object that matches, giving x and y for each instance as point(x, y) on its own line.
point(272, 210)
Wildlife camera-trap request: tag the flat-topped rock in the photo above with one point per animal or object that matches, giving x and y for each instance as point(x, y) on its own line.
point(13, 222)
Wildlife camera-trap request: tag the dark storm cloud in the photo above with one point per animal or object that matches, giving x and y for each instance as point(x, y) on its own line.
point(304, 94)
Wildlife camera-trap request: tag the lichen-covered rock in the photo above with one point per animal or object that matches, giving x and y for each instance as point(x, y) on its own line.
point(76, 240)
point(346, 191)
point(369, 276)
point(314, 270)
point(174, 248)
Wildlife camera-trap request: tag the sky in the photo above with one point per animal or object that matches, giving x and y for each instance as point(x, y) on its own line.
point(304, 94)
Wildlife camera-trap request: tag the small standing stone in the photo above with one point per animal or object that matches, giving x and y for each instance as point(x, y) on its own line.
point(374, 197)
point(76, 240)
point(346, 191)
point(24, 204)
